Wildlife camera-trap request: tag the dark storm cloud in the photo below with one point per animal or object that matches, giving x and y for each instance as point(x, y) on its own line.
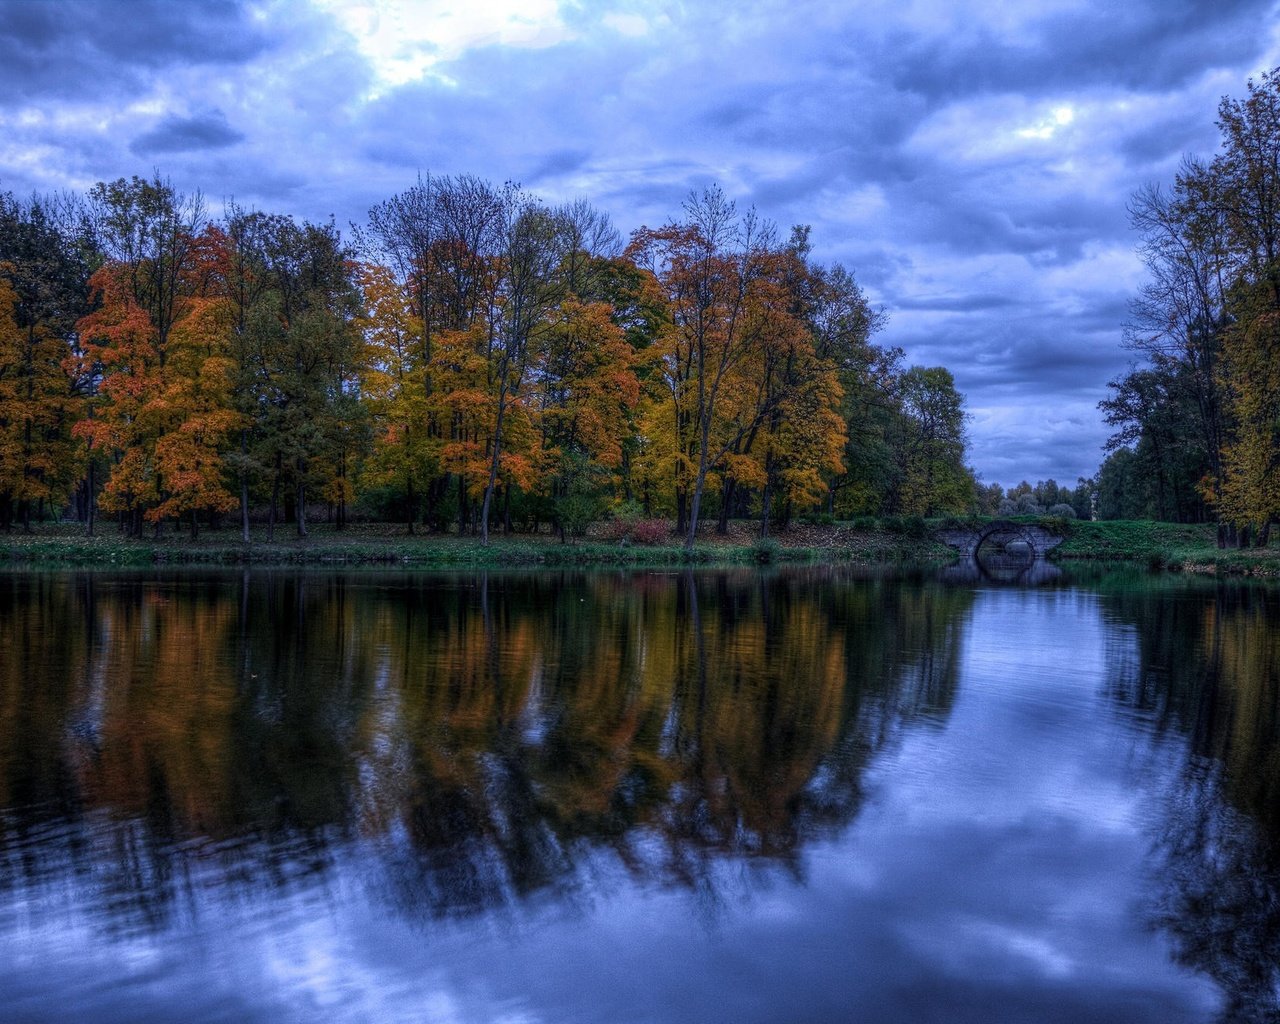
point(185, 134)
point(1158, 45)
point(560, 162)
point(956, 304)
point(52, 49)
point(1169, 137)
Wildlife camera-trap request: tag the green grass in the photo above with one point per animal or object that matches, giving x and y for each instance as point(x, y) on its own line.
point(382, 545)
point(890, 542)
point(1188, 547)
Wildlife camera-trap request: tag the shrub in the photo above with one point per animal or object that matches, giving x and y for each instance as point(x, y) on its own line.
point(650, 531)
point(1062, 511)
point(1060, 525)
point(575, 513)
point(628, 523)
point(615, 530)
point(766, 551)
point(907, 526)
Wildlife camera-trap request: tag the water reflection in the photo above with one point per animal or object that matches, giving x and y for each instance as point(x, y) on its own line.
point(474, 737)
point(797, 795)
point(1000, 568)
point(1206, 665)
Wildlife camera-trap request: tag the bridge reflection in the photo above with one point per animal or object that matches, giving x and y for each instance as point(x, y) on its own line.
point(1008, 569)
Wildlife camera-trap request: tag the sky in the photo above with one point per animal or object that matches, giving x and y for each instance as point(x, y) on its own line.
point(969, 161)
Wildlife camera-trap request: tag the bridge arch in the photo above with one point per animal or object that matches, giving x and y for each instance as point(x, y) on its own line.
point(967, 540)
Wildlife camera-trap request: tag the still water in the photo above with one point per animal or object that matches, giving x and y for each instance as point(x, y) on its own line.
point(798, 796)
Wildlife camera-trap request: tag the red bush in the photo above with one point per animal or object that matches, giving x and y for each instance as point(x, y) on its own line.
point(650, 531)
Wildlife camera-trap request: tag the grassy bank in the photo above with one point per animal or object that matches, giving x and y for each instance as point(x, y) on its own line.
point(1179, 547)
point(1159, 546)
point(381, 545)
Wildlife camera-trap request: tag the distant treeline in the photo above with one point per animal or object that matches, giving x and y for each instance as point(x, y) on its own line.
point(1198, 417)
point(469, 358)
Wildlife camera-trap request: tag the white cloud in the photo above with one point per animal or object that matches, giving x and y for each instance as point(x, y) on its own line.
point(406, 40)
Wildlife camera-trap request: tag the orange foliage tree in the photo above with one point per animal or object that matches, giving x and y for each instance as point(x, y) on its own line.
point(42, 293)
point(732, 358)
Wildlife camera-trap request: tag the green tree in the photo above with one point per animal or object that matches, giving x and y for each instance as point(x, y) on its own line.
point(302, 334)
point(932, 444)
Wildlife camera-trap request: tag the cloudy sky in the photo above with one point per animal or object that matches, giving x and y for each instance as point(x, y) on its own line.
point(970, 161)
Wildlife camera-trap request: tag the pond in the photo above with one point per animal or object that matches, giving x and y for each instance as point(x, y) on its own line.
point(795, 795)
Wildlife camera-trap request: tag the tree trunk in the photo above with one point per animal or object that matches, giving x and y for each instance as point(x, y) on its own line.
point(699, 483)
point(275, 501)
point(727, 495)
point(244, 490)
point(493, 470)
point(90, 497)
point(301, 501)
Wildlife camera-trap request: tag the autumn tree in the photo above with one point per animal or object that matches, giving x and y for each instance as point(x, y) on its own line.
point(394, 387)
point(440, 240)
point(585, 388)
point(43, 291)
point(1247, 178)
point(1208, 322)
point(840, 322)
point(527, 288)
point(148, 233)
point(198, 380)
point(786, 396)
point(711, 268)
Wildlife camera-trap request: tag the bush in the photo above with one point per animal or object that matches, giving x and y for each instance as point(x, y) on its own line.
point(913, 527)
point(636, 530)
point(650, 531)
point(1062, 511)
point(575, 513)
point(766, 551)
point(1060, 525)
point(616, 530)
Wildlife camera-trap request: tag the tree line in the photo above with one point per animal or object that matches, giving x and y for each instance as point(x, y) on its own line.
point(470, 358)
point(1197, 418)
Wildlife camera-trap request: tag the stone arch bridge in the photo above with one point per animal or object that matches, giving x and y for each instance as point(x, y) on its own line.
point(1003, 533)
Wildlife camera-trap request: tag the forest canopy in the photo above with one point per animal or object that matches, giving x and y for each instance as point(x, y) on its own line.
point(470, 358)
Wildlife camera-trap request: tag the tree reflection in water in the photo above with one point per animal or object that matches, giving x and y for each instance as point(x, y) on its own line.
point(459, 742)
point(1209, 668)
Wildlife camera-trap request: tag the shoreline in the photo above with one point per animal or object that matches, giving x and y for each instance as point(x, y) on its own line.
point(889, 543)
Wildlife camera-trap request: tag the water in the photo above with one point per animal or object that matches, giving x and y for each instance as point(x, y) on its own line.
point(798, 796)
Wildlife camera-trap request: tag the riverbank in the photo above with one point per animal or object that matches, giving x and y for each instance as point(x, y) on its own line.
point(1172, 547)
point(386, 545)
